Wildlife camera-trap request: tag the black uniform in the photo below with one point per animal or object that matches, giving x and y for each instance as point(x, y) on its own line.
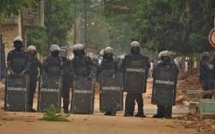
point(66, 83)
point(33, 66)
point(108, 63)
point(132, 97)
point(17, 61)
point(53, 66)
point(82, 65)
point(17, 65)
point(165, 111)
point(82, 69)
point(207, 75)
point(212, 76)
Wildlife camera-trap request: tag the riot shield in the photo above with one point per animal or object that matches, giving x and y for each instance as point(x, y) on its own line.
point(211, 79)
point(1, 50)
point(16, 93)
point(3, 72)
point(135, 74)
point(111, 94)
point(211, 84)
point(164, 86)
point(49, 92)
point(82, 95)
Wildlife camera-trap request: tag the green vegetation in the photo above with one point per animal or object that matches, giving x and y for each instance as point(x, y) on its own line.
point(58, 23)
point(14, 7)
point(179, 25)
point(52, 114)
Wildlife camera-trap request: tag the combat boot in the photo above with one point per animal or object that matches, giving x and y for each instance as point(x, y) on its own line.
point(160, 112)
point(65, 110)
point(108, 113)
point(140, 114)
point(128, 114)
point(32, 110)
point(113, 113)
point(157, 116)
point(65, 106)
point(168, 112)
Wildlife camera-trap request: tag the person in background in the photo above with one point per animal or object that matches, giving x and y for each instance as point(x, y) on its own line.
point(66, 79)
point(166, 62)
point(34, 65)
point(131, 97)
point(108, 63)
point(204, 71)
point(17, 58)
point(53, 64)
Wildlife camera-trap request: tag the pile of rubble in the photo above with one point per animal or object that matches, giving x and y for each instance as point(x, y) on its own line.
point(1, 98)
point(203, 126)
point(1, 91)
point(190, 83)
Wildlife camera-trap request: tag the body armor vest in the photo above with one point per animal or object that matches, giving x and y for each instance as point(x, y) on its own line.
point(18, 61)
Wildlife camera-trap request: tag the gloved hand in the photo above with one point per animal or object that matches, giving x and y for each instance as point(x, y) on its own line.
point(89, 77)
point(3, 80)
point(22, 73)
point(44, 73)
point(75, 77)
point(12, 72)
point(61, 74)
point(98, 79)
point(38, 78)
point(113, 76)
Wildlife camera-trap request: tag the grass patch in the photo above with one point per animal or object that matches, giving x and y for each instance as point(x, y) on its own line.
point(52, 114)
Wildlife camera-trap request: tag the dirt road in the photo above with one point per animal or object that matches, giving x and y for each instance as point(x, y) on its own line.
point(29, 123)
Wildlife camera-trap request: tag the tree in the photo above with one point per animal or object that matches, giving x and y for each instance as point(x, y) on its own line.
point(37, 37)
point(14, 7)
point(58, 23)
point(58, 20)
point(179, 25)
point(182, 26)
point(115, 26)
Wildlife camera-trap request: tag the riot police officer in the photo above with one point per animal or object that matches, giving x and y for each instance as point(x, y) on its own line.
point(204, 72)
point(213, 60)
point(108, 63)
point(17, 65)
point(83, 81)
point(82, 64)
point(165, 61)
point(34, 65)
point(17, 58)
point(66, 79)
point(51, 80)
point(53, 64)
point(131, 97)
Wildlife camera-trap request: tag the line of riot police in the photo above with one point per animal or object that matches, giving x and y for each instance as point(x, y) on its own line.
point(58, 74)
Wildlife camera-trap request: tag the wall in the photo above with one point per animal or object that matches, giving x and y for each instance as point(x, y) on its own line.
point(10, 29)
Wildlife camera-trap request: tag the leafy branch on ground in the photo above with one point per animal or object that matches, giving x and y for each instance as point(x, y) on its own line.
point(52, 114)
